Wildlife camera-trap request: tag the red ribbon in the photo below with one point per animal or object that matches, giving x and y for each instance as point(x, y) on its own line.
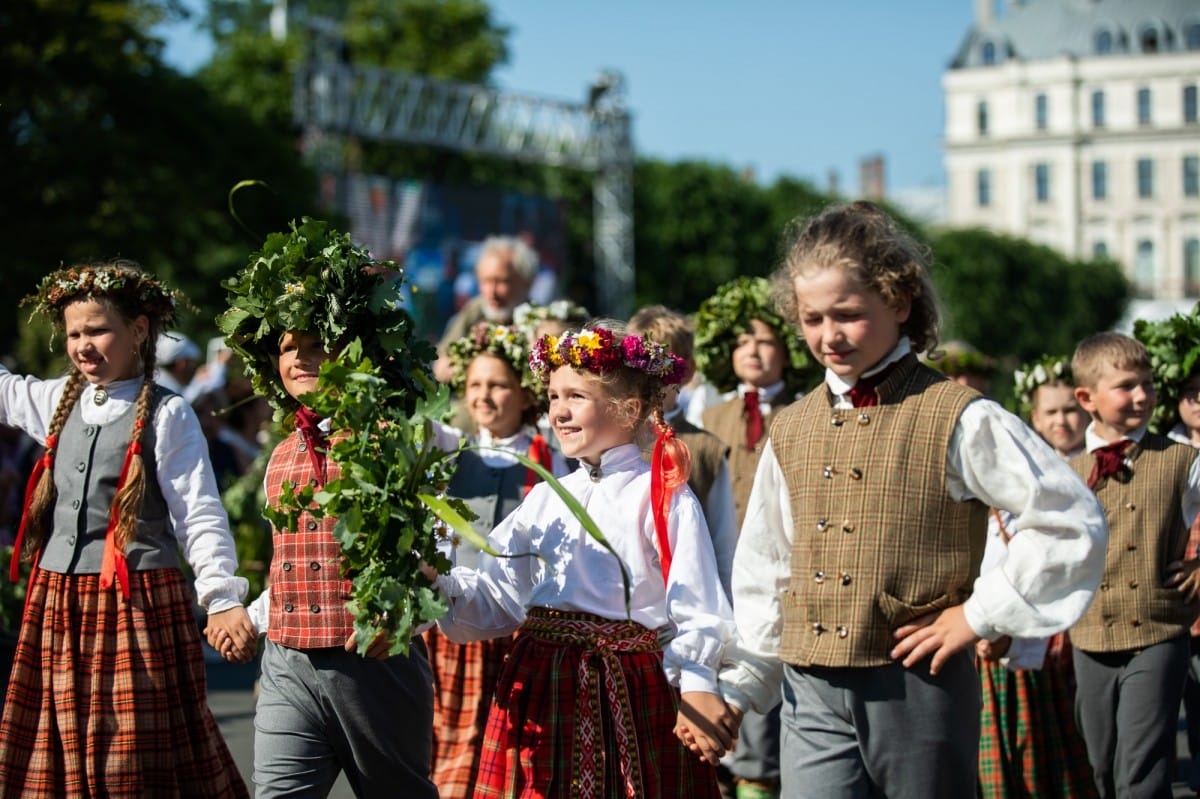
point(670, 466)
point(43, 463)
point(308, 424)
point(1109, 460)
point(539, 453)
point(113, 562)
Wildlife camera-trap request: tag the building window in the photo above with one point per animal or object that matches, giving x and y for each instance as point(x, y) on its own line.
point(1189, 103)
point(1104, 42)
point(1143, 267)
point(1099, 250)
point(983, 187)
point(1149, 39)
point(1041, 182)
point(1143, 106)
point(1145, 178)
point(1191, 176)
point(1099, 180)
point(1098, 109)
point(1041, 112)
point(987, 54)
point(1191, 267)
point(1191, 36)
point(981, 117)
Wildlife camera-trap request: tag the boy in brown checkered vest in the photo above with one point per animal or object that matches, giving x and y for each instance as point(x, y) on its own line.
point(856, 583)
point(1131, 647)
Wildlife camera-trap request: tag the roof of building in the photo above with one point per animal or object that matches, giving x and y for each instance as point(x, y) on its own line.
point(1030, 30)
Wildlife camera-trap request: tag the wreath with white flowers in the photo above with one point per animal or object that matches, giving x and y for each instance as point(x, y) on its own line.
point(1044, 371)
point(507, 342)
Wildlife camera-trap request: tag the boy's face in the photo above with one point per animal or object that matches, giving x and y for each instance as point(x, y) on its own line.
point(848, 328)
point(759, 357)
point(1057, 417)
point(1121, 401)
point(1189, 404)
point(300, 359)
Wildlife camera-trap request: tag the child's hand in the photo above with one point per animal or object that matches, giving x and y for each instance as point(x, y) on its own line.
point(993, 650)
point(232, 634)
point(381, 644)
point(707, 725)
point(1184, 575)
point(939, 634)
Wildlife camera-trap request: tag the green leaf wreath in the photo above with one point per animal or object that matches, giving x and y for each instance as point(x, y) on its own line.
point(1174, 347)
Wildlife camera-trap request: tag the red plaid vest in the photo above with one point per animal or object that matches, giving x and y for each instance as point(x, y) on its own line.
point(308, 593)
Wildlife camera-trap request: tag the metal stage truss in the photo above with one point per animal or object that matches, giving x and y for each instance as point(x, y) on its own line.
point(332, 97)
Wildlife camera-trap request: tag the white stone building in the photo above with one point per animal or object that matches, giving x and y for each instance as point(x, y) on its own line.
point(1075, 123)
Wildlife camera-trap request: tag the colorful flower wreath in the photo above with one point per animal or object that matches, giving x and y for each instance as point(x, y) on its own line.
point(1047, 369)
point(598, 350)
point(507, 342)
point(528, 316)
point(726, 315)
point(134, 291)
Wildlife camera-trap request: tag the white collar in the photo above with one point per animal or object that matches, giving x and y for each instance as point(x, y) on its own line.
point(839, 386)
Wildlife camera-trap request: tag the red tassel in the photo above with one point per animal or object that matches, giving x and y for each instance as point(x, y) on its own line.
point(539, 453)
point(670, 467)
point(113, 563)
point(45, 462)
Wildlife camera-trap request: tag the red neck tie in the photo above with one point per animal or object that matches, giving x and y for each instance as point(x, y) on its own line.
point(862, 394)
point(308, 424)
point(752, 413)
point(1109, 460)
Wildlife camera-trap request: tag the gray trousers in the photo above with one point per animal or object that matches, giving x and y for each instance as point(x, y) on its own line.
point(324, 711)
point(756, 757)
point(1127, 706)
point(883, 731)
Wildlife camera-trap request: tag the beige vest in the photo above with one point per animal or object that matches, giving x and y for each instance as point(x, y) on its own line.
point(727, 422)
point(1146, 531)
point(877, 539)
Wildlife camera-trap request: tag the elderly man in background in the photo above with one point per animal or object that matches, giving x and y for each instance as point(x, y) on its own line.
point(504, 272)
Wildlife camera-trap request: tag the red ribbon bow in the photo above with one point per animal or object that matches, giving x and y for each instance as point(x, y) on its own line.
point(1109, 461)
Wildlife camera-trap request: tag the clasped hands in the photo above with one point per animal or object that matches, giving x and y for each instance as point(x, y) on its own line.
point(707, 725)
point(235, 638)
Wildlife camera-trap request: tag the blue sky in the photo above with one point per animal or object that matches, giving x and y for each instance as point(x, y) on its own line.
point(786, 88)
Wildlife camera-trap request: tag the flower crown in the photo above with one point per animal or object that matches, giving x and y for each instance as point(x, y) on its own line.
point(528, 316)
point(1047, 369)
point(507, 342)
point(600, 351)
point(124, 282)
point(1174, 348)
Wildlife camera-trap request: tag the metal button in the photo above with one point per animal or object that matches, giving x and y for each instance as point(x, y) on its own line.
point(822, 524)
point(1135, 623)
point(818, 628)
point(314, 566)
point(856, 473)
point(1131, 546)
point(1130, 506)
point(81, 466)
point(1103, 586)
point(312, 481)
point(863, 418)
point(315, 608)
point(71, 540)
point(287, 567)
point(846, 578)
point(837, 421)
point(1133, 583)
point(302, 448)
point(74, 504)
point(89, 431)
point(847, 527)
point(827, 472)
point(842, 632)
point(819, 577)
point(310, 526)
point(288, 607)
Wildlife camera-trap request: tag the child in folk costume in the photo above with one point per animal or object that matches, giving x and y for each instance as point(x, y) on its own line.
point(107, 695)
point(1131, 647)
point(589, 698)
point(491, 373)
point(1029, 744)
point(323, 708)
point(856, 583)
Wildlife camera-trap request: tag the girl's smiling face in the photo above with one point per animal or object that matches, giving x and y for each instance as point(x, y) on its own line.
point(494, 396)
point(102, 344)
point(582, 415)
point(300, 359)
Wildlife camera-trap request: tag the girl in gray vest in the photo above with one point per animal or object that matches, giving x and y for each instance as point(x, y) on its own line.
point(491, 374)
point(107, 695)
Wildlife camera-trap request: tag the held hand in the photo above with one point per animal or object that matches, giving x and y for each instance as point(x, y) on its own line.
point(379, 648)
point(707, 725)
point(231, 633)
point(939, 634)
point(1184, 576)
point(993, 650)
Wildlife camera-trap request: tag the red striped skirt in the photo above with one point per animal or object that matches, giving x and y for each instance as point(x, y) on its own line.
point(1029, 744)
point(107, 696)
point(464, 679)
point(583, 709)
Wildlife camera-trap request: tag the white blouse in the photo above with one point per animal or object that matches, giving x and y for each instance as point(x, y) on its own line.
point(1047, 579)
point(573, 572)
point(185, 473)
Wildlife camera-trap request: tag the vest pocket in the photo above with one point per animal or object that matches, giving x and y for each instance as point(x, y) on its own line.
point(898, 612)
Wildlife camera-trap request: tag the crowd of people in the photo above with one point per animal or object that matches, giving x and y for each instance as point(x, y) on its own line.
point(847, 571)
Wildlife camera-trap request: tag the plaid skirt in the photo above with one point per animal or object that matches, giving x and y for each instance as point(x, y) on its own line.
point(1029, 745)
point(583, 709)
point(107, 696)
point(464, 679)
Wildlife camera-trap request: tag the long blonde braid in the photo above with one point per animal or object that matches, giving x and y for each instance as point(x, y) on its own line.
point(128, 502)
point(45, 493)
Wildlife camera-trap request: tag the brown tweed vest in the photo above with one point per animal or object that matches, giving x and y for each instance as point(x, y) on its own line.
point(727, 422)
point(878, 540)
point(308, 592)
point(708, 452)
point(1146, 531)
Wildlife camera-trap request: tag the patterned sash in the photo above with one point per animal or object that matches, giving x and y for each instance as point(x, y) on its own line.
point(604, 639)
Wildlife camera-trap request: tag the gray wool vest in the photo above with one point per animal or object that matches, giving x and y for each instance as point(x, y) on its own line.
point(86, 469)
point(492, 493)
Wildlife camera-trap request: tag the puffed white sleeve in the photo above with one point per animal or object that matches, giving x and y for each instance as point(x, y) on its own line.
point(29, 403)
point(696, 601)
point(752, 675)
point(189, 486)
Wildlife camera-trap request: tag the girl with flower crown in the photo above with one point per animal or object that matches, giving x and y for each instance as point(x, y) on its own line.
point(107, 695)
point(491, 374)
point(588, 699)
